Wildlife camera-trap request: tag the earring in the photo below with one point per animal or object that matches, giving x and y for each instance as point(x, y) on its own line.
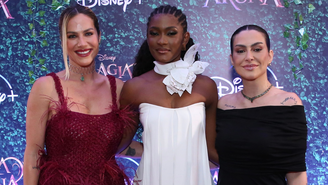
point(269, 64)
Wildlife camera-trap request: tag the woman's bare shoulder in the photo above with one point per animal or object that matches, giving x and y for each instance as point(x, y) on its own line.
point(228, 101)
point(43, 85)
point(131, 91)
point(206, 82)
point(134, 83)
point(204, 78)
point(287, 98)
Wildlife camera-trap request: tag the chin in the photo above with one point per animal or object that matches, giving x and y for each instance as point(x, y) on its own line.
point(163, 61)
point(86, 63)
point(249, 78)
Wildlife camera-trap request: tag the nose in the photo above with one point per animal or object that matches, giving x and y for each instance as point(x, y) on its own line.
point(249, 56)
point(81, 41)
point(162, 39)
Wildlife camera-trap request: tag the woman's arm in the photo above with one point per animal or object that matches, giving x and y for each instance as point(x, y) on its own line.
point(134, 150)
point(296, 178)
point(211, 104)
point(126, 101)
point(36, 118)
point(293, 178)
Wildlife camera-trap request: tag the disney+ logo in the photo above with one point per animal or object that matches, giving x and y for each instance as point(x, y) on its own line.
point(6, 91)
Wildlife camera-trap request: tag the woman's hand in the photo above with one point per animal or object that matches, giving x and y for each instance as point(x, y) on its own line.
point(296, 178)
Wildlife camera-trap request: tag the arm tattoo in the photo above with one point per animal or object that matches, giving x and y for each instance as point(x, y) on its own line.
point(35, 167)
point(130, 152)
point(289, 98)
point(230, 106)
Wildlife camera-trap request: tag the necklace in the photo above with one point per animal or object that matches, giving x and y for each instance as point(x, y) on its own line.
point(253, 98)
point(82, 70)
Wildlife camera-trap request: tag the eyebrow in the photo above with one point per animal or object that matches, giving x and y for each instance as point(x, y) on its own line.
point(256, 43)
point(170, 27)
point(83, 31)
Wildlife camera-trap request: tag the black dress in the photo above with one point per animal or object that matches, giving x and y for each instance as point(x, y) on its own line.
point(258, 146)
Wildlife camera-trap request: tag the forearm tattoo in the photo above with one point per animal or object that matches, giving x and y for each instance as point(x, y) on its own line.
point(130, 152)
point(35, 167)
point(230, 106)
point(289, 98)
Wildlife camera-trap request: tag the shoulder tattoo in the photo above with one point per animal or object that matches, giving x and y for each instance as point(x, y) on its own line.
point(289, 99)
point(130, 152)
point(229, 106)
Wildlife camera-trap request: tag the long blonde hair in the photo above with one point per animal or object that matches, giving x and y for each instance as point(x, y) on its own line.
point(67, 15)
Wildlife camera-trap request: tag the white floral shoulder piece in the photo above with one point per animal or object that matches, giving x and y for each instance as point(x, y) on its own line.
point(182, 73)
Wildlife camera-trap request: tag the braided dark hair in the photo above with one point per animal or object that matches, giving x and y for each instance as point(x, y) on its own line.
point(144, 60)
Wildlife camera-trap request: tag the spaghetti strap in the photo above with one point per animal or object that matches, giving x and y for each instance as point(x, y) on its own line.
point(59, 87)
point(112, 82)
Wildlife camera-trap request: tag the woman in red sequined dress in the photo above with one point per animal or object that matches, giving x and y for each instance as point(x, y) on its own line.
point(74, 127)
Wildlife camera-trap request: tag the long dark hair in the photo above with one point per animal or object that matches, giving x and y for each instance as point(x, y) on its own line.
point(250, 27)
point(144, 60)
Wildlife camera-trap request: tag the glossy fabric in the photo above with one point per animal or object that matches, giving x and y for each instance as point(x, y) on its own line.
point(175, 151)
point(258, 146)
point(81, 148)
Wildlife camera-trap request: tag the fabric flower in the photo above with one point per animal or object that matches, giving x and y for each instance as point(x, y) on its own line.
point(182, 73)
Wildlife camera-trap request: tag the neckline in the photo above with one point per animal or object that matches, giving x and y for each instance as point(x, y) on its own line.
point(63, 100)
point(154, 105)
point(265, 106)
point(81, 113)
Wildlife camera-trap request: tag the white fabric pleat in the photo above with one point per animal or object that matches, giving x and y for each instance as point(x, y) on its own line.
point(175, 151)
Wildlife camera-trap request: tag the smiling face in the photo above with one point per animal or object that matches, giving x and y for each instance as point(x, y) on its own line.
point(82, 40)
point(166, 38)
point(250, 56)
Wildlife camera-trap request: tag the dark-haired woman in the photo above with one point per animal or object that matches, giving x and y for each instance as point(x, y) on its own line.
point(261, 130)
point(176, 104)
point(74, 113)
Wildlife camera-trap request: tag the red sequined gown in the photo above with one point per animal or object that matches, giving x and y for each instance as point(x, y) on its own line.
point(81, 148)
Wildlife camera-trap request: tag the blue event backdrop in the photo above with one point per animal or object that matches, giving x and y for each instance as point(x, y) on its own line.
point(123, 28)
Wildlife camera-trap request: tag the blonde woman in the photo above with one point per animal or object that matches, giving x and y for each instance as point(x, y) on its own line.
point(74, 113)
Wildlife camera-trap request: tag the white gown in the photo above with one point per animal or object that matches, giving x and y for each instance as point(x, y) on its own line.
point(175, 151)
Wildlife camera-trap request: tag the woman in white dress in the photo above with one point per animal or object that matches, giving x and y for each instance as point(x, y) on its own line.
point(176, 104)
